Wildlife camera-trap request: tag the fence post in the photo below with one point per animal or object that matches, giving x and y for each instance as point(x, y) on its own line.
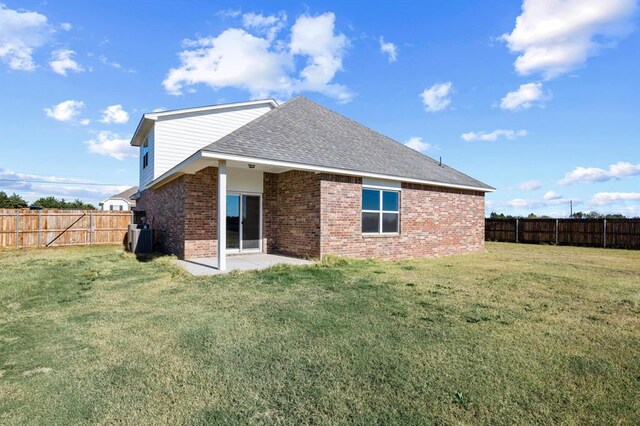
point(17, 230)
point(517, 230)
point(91, 228)
point(556, 231)
point(39, 228)
point(605, 233)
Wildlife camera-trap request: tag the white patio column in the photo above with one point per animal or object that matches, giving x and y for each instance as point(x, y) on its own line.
point(222, 215)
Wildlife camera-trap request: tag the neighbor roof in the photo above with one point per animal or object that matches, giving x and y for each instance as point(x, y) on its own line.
point(125, 195)
point(304, 132)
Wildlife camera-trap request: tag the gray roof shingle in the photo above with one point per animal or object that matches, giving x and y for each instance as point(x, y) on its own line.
point(126, 194)
point(304, 132)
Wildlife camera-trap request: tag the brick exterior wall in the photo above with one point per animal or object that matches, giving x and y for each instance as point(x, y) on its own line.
point(183, 214)
point(201, 213)
point(270, 212)
point(434, 221)
point(298, 214)
point(307, 214)
point(164, 208)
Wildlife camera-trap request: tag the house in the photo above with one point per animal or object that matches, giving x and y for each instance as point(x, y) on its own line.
point(121, 201)
point(297, 179)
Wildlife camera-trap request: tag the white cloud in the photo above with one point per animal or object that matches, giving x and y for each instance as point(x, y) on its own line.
point(265, 25)
point(65, 111)
point(112, 145)
point(390, 49)
point(229, 13)
point(551, 195)
point(595, 174)
point(604, 198)
point(66, 26)
point(20, 33)
point(234, 58)
point(530, 185)
point(553, 200)
point(265, 66)
point(315, 38)
point(115, 114)
point(114, 64)
point(32, 186)
point(553, 37)
point(526, 96)
point(61, 62)
point(436, 97)
point(493, 136)
point(417, 144)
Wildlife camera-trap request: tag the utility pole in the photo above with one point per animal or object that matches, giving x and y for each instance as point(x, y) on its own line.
point(571, 209)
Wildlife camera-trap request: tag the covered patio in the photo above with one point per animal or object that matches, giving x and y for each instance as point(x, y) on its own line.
point(244, 262)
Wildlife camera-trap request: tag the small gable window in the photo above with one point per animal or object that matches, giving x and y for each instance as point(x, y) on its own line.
point(145, 153)
point(380, 211)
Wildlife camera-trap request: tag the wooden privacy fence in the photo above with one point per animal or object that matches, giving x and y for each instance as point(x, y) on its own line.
point(55, 228)
point(611, 233)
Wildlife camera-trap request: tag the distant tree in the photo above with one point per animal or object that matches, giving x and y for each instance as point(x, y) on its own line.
point(576, 215)
point(48, 203)
point(79, 204)
point(54, 203)
point(495, 215)
point(4, 200)
point(17, 201)
point(14, 201)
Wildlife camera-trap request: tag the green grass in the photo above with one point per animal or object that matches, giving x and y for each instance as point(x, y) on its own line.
point(518, 334)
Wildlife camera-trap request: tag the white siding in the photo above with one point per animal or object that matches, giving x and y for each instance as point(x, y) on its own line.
point(116, 205)
point(176, 138)
point(147, 174)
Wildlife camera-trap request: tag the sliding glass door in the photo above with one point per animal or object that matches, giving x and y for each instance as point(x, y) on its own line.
point(243, 222)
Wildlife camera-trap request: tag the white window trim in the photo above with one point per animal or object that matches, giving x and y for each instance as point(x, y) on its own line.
point(381, 211)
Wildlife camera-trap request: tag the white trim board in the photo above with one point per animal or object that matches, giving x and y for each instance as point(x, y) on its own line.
point(313, 168)
point(202, 156)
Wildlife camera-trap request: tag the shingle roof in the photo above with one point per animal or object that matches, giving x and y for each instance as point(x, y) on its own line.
point(301, 131)
point(126, 194)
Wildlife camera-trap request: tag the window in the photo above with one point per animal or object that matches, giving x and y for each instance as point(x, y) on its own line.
point(380, 211)
point(111, 207)
point(145, 153)
point(120, 208)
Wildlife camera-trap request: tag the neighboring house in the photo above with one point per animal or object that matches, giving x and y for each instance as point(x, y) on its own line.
point(297, 179)
point(121, 201)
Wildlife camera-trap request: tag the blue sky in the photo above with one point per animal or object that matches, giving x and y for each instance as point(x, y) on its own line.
point(538, 99)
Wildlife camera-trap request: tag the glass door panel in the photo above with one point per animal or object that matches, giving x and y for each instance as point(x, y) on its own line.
point(233, 222)
point(250, 222)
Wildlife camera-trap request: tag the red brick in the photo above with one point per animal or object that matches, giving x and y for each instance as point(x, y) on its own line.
point(308, 214)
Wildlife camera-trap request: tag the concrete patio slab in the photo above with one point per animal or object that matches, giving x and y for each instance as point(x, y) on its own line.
point(243, 262)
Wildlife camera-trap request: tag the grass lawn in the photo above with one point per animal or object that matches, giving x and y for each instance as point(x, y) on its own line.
point(516, 334)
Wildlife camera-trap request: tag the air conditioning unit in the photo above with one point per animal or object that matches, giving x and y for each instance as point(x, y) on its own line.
point(140, 239)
